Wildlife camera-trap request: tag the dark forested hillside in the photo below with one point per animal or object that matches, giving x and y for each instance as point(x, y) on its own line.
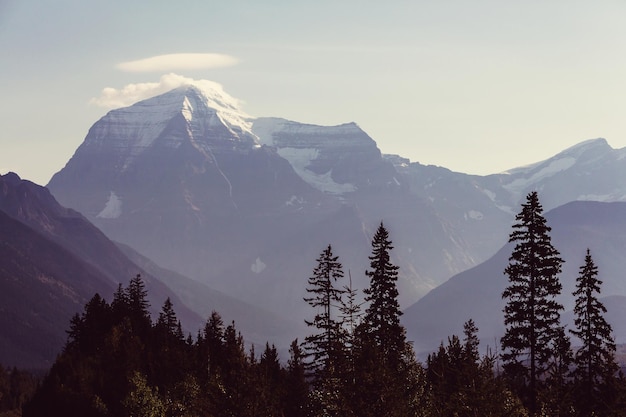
point(118, 362)
point(41, 286)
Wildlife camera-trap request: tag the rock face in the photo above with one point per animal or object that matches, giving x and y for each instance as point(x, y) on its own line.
point(247, 204)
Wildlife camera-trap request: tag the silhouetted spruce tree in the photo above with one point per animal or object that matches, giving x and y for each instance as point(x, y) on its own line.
point(138, 303)
point(386, 368)
point(323, 348)
point(596, 370)
point(531, 314)
point(382, 316)
point(167, 318)
point(297, 389)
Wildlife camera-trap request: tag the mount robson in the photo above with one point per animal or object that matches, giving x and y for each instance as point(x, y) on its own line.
point(215, 200)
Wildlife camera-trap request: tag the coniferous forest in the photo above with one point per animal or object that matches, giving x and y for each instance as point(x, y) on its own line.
point(356, 361)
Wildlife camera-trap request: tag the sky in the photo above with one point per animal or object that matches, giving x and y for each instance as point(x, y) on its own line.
point(474, 86)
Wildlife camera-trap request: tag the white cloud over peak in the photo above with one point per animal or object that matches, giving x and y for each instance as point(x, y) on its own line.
point(131, 93)
point(174, 62)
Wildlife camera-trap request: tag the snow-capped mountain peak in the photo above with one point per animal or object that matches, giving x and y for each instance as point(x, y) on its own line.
point(199, 113)
point(204, 94)
point(584, 153)
point(199, 98)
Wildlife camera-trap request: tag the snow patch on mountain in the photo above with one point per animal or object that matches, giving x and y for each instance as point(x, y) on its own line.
point(187, 110)
point(294, 201)
point(265, 127)
point(258, 266)
point(112, 209)
point(617, 196)
point(301, 158)
point(474, 215)
point(551, 169)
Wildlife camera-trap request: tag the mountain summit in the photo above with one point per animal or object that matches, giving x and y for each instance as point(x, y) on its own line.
point(186, 116)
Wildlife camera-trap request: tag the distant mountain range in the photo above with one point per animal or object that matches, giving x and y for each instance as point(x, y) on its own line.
point(243, 206)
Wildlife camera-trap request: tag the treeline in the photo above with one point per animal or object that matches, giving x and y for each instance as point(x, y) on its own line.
point(356, 360)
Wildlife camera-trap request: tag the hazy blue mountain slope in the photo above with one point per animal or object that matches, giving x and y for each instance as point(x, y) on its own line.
point(476, 293)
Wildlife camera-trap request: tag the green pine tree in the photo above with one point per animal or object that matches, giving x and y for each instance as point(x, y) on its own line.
point(382, 316)
point(389, 380)
point(596, 370)
point(532, 313)
point(322, 347)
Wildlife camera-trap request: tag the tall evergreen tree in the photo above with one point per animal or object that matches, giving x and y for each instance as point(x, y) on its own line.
point(388, 378)
point(382, 316)
point(297, 388)
point(167, 318)
point(596, 369)
point(324, 349)
point(138, 303)
point(532, 313)
point(323, 346)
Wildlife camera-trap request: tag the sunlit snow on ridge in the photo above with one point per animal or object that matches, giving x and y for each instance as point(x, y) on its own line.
point(552, 168)
point(301, 158)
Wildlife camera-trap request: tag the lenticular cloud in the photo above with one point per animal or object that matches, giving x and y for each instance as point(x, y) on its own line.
point(131, 93)
point(174, 62)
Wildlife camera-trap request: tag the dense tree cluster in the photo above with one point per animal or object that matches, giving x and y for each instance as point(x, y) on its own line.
point(356, 360)
point(118, 363)
point(538, 360)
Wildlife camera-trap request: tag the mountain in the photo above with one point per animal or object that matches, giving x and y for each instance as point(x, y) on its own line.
point(481, 209)
point(477, 292)
point(34, 206)
point(245, 205)
point(41, 286)
point(114, 263)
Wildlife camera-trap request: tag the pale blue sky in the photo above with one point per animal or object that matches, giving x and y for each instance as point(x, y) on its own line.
point(475, 86)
